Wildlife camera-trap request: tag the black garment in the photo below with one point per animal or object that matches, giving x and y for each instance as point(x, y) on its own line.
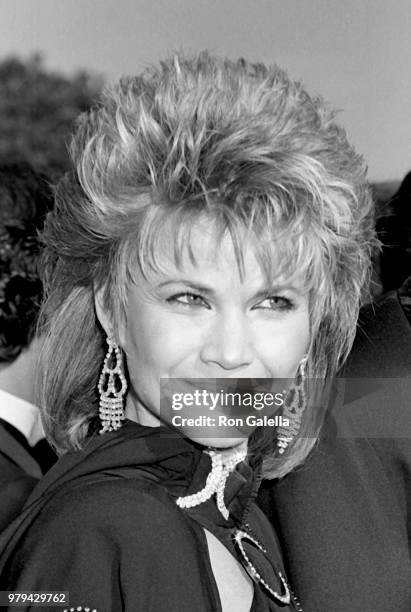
point(394, 230)
point(103, 524)
point(21, 466)
point(344, 517)
point(19, 472)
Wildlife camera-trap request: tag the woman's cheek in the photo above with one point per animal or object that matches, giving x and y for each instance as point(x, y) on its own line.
point(172, 341)
point(281, 348)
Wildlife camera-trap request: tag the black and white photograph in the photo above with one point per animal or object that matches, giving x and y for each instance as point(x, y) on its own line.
point(205, 306)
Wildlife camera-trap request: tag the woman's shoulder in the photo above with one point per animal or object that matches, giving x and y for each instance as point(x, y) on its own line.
point(116, 504)
point(102, 541)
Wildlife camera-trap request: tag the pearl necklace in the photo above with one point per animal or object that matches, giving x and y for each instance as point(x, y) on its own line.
point(221, 468)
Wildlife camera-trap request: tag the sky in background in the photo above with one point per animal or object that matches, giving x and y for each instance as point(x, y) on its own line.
point(354, 52)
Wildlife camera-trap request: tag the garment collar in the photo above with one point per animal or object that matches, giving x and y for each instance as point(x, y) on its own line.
point(153, 453)
point(22, 415)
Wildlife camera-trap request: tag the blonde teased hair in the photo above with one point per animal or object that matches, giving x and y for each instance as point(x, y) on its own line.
point(237, 142)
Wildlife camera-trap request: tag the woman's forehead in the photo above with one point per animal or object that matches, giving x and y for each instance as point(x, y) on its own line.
point(203, 245)
point(199, 243)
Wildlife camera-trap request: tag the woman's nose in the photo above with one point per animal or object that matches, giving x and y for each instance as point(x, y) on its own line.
point(228, 342)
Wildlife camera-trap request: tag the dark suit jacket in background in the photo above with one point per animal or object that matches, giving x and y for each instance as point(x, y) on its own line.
point(344, 516)
point(19, 472)
point(20, 469)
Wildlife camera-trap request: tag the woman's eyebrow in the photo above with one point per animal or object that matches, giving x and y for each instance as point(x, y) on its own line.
point(270, 289)
point(193, 285)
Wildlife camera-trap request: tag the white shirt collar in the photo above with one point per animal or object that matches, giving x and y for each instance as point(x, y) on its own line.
point(22, 415)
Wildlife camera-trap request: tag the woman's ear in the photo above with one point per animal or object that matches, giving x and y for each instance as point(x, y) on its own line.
point(105, 318)
point(102, 312)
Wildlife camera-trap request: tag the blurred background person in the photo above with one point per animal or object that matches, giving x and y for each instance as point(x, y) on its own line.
point(25, 198)
point(394, 229)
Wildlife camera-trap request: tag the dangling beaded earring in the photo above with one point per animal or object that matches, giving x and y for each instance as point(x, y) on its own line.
point(294, 406)
point(112, 386)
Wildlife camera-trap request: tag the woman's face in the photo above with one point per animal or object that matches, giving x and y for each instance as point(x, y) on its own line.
point(202, 320)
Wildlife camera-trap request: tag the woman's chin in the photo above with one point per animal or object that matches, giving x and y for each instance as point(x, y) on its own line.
point(217, 439)
point(218, 443)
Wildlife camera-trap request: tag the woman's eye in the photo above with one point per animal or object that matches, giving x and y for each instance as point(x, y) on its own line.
point(187, 299)
point(276, 302)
